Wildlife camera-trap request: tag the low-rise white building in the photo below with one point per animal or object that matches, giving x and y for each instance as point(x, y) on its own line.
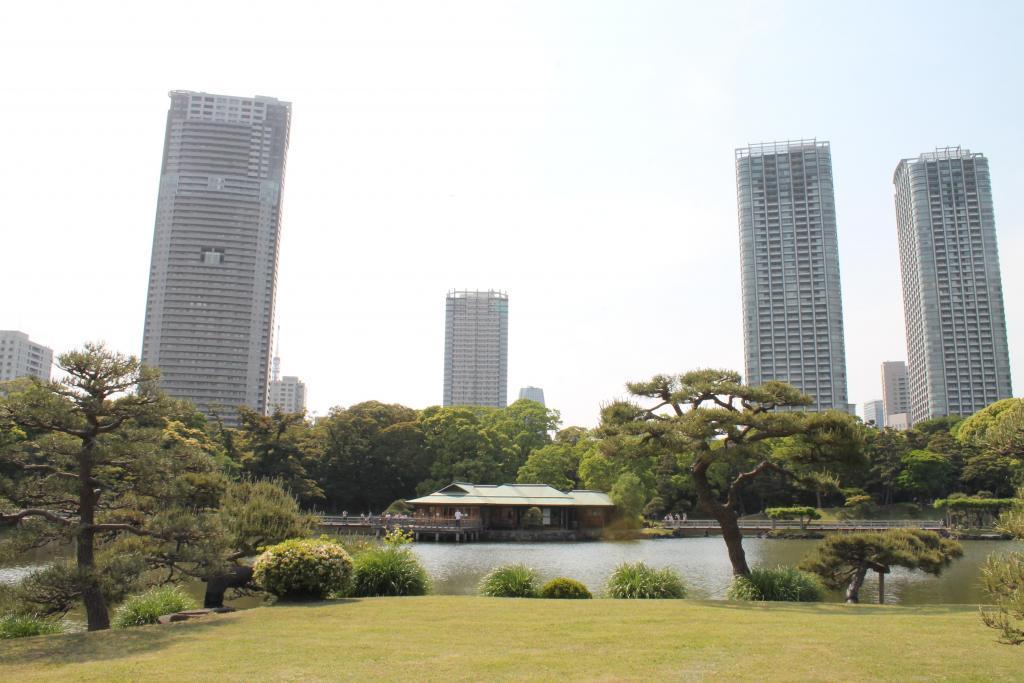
point(288, 395)
point(22, 357)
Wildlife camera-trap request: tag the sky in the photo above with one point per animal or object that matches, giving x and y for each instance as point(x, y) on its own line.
point(579, 155)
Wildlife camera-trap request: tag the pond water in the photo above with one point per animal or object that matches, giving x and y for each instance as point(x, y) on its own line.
point(703, 563)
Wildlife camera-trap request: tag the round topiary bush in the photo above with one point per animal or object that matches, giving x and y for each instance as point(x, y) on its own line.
point(510, 581)
point(638, 581)
point(303, 569)
point(147, 608)
point(780, 584)
point(565, 589)
point(391, 570)
point(24, 625)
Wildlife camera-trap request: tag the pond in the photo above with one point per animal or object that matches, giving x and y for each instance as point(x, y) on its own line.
point(703, 563)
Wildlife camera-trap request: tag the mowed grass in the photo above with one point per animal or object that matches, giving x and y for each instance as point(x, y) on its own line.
point(449, 638)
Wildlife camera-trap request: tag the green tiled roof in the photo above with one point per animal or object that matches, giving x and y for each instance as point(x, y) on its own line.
point(541, 495)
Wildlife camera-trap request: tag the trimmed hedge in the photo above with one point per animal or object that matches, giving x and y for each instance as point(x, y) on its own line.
point(303, 569)
point(564, 588)
point(147, 608)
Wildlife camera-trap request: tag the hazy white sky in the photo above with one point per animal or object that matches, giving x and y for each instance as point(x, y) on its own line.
point(578, 155)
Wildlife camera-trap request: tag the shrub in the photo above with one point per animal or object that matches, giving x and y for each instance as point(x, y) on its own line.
point(147, 608)
point(391, 570)
point(510, 581)
point(303, 569)
point(638, 581)
point(803, 514)
point(565, 589)
point(779, 584)
point(23, 625)
point(532, 518)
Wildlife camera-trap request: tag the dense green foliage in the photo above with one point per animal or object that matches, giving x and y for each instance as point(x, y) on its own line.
point(563, 588)
point(778, 584)
point(24, 625)
point(147, 608)
point(1003, 580)
point(637, 581)
point(804, 514)
point(388, 570)
point(302, 569)
point(510, 581)
point(843, 560)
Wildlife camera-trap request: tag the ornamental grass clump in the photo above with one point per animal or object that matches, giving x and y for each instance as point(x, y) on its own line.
point(778, 584)
point(510, 581)
point(147, 608)
point(638, 581)
point(389, 570)
point(565, 589)
point(24, 625)
point(303, 569)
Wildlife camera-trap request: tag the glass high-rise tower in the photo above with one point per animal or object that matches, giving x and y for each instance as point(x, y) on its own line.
point(213, 276)
point(789, 255)
point(476, 348)
point(957, 353)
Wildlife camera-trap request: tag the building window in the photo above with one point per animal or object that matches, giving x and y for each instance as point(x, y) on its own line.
point(212, 257)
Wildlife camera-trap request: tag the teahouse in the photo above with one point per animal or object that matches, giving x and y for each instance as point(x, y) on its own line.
point(500, 507)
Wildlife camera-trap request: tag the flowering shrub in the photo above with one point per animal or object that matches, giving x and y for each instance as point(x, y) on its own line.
point(398, 537)
point(303, 569)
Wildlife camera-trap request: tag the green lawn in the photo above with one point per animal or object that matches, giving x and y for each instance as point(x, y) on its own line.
point(450, 638)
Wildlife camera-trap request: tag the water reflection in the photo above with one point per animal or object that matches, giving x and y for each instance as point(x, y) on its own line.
point(457, 569)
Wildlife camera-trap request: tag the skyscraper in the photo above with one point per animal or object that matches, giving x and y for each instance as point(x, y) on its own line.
point(874, 413)
point(895, 393)
point(22, 357)
point(957, 353)
point(213, 277)
point(476, 348)
point(789, 255)
point(532, 394)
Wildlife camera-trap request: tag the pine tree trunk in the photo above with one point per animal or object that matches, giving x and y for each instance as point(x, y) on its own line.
point(881, 588)
point(238, 577)
point(96, 612)
point(853, 590)
point(726, 519)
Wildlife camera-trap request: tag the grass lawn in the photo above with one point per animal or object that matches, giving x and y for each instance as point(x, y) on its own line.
point(466, 638)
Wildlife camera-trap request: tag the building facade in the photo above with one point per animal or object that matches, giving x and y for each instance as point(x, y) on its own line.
point(957, 352)
point(476, 348)
point(213, 276)
point(532, 394)
point(789, 253)
point(22, 357)
point(287, 395)
point(874, 413)
point(895, 393)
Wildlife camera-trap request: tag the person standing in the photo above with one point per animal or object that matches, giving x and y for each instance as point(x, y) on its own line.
point(458, 519)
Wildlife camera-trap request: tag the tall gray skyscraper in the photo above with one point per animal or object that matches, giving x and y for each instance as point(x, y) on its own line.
point(213, 278)
point(895, 393)
point(874, 413)
point(476, 348)
point(532, 394)
point(789, 254)
point(958, 358)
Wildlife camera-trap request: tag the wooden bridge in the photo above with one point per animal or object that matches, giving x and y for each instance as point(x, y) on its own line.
point(421, 528)
point(709, 525)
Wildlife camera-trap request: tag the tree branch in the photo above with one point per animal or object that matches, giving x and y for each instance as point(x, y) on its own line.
point(34, 512)
point(762, 467)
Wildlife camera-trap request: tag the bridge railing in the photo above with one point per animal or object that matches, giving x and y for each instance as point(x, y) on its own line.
point(767, 524)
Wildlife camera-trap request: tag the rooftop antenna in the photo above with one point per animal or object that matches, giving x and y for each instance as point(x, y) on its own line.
point(276, 365)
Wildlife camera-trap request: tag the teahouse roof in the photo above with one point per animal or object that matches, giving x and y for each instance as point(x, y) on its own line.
point(540, 495)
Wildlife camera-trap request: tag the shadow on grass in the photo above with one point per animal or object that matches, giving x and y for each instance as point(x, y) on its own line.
point(71, 648)
point(839, 609)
